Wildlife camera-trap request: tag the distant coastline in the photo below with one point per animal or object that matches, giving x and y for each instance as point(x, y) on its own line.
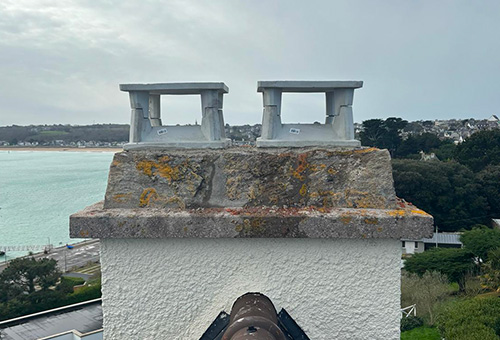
point(61, 149)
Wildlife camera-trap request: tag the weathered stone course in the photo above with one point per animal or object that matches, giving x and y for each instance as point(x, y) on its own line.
point(252, 192)
point(251, 177)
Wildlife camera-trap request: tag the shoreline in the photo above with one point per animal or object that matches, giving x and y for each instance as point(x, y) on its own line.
point(60, 149)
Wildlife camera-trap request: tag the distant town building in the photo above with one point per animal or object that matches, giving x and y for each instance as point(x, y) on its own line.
point(440, 240)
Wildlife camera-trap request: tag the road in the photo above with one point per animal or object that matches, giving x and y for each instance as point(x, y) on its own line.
point(80, 255)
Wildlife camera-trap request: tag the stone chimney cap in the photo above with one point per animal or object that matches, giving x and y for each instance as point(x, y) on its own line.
point(308, 85)
point(175, 88)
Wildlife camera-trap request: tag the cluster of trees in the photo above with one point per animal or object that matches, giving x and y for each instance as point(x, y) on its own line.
point(429, 278)
point(460, 189)
point(28, 286)
point(67, 133)
point(480, 256)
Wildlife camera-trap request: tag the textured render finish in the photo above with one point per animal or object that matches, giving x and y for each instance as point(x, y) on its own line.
point(405, 222)
point(174, 288)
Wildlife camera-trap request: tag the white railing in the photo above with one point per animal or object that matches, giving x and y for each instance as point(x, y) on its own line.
point(409, 311)
point(26, 247)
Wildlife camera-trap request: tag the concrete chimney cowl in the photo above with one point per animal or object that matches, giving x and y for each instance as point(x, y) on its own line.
point(185, 231)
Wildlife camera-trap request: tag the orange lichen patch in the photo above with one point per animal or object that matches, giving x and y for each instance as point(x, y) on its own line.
point(84, 233)
point(147, 196)
point(115, 163)
point(303, 190)
point(421, 212)
point(371, 220)
point(161, 168)
point(395, 213)
point(379, 229)
point(121, 198)
point(301, 167)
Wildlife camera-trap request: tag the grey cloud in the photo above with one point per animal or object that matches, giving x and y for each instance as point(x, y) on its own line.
point(61, 62)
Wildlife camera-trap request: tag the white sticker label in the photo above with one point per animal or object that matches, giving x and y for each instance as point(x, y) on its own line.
point(295, 131)
point(161, 132)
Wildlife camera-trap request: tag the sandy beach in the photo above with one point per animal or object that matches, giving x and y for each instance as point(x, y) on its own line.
point(61, 149)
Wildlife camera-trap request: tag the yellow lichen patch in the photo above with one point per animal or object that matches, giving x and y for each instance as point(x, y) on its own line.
point(328, 198)
point(379, 229)
point(115, 163)
point(421, 212)
point(371, 220)
point(121, 198)
point(366, 150)
point(254, 225)
point(253, 193)
point(332, 171)
point(274, 199)
point(395, 213)
point(357, 151)
point(233, 193)
point(147, 196)
point(84, 233)
point(316, 167)
point(180, 203)
point(363, 200)
point(303, 190)
point(161, 168)
point(185, 229)
point(314, 194)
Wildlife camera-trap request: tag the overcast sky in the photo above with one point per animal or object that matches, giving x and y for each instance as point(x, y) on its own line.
point(62, 61)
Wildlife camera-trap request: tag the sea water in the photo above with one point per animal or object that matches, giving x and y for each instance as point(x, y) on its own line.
point(40, 189)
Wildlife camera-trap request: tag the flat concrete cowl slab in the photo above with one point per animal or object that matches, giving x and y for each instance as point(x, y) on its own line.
point(252, 192)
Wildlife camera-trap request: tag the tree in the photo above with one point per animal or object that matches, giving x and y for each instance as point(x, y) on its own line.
point(480, 241)
point(480, 150)
point(384, 134)
point(414, 144)
point(24, 274)
point(455, 263)
point(489, 179)
point(471, 319)
point(491, 270)
point(425, 291)
point(448, 191)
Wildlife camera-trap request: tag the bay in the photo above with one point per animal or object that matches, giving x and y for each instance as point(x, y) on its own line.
point(40, 189)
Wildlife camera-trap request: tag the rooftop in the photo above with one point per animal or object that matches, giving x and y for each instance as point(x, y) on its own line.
point(84, 317)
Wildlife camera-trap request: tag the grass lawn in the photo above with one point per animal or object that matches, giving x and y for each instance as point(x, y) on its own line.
point(421, 333)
